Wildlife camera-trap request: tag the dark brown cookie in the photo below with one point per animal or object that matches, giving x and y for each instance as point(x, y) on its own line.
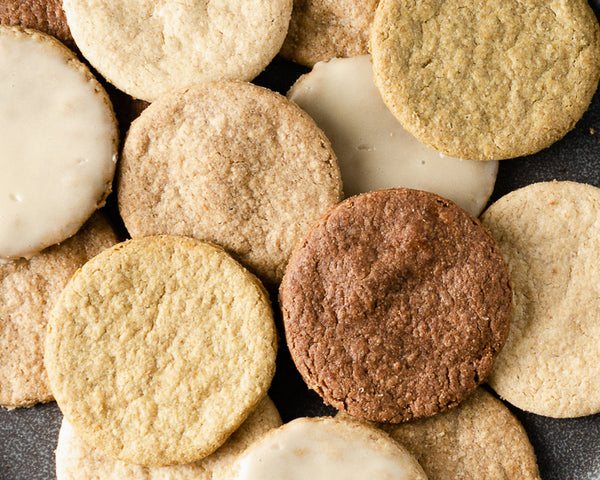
point(395, 305)
point(44, 15)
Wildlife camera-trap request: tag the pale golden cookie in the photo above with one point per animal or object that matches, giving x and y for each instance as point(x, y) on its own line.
point(159, 348)
point(28, 289)
point(549, 235)
point(76, 460)
point(230, 163)
point(325, 29)
point(486, 80)
point(148, 48)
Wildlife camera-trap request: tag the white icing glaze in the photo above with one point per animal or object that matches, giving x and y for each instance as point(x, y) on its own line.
point(373, 149)
point(57, 154)
point(325, 449)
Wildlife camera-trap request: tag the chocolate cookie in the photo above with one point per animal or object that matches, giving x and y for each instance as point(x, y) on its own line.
point(395, 305)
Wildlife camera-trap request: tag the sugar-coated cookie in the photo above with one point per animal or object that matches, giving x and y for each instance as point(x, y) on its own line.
point(395, 305)
point(549, 235)
point(159, 348)
point(488, 80)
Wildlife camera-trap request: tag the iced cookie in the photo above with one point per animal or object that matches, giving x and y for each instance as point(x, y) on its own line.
point(59, 143)
point(28, 289)
point(159, 348)
point(323, 449)
point(549, 234)
point(395, 305)
point(76, 460)
point(372, 148)
point(325, 29)
point(151, 48)
point(492, 80)
point(230, 163)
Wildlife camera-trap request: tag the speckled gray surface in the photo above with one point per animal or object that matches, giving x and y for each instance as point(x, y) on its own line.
point(567, 449)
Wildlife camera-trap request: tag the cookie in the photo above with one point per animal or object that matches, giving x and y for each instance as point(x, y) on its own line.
point(494, 80)
point(59, 143)
point(326, 448)
point(230, 163)
point(395, 305)
point(324, 29)
point(480, 438)
point(44, 15)
point(151, 48)
point(159, 348)
point(28, 289)
point(76, 460)
point(548, 234)
point(372, 148)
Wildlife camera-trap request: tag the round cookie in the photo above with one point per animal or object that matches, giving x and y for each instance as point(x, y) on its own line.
point(495, 80)
point(549, 236)
point(59, 143)
point(44, 15)
point(159, 348)
point(372, 148)
point(324, 29)
point(149, 48)
point(326, 448)
point(230, 163)
point(76, 460)
point(478, 439)
point(395, 305)
point(28, 289)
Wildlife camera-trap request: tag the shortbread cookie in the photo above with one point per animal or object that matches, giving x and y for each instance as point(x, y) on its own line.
point(28, 289)
point(395, 305)
point(492, 80)
point(159, 348)
point(149, 48)
point(76, 460)
point(44, 15)
point(373, 149)
point(231, 163)
point(59, 143)
point(549, 234)
point(478, 439)
point(325, 29)
point(324, 449)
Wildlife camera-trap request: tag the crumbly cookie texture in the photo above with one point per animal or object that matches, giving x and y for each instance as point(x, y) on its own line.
point(159, 348)
point(28, 290)
point(76, 460)
point(549, 236)
point(480, 438)
point(492, 80)
point(149, 48)
point(395, 305)
point(324, 29)
point(230, 163)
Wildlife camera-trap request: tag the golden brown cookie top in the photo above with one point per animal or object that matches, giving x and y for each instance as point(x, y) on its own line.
point(490, 80)
point(395, 305)
point(159, 348)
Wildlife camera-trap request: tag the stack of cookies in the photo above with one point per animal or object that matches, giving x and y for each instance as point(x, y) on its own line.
point(395, 304)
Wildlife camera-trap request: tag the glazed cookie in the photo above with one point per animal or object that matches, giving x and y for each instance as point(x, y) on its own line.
point(478, 439)
point(159, 348)
point(151, 48)
point(373, 149)
point(325, 29)
point(76, 460)
point(395, 305)
point(28, 289)
point(499, 79)
point(549, 234)
point(59, 143)
point(326, 448)
point(230, 163)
